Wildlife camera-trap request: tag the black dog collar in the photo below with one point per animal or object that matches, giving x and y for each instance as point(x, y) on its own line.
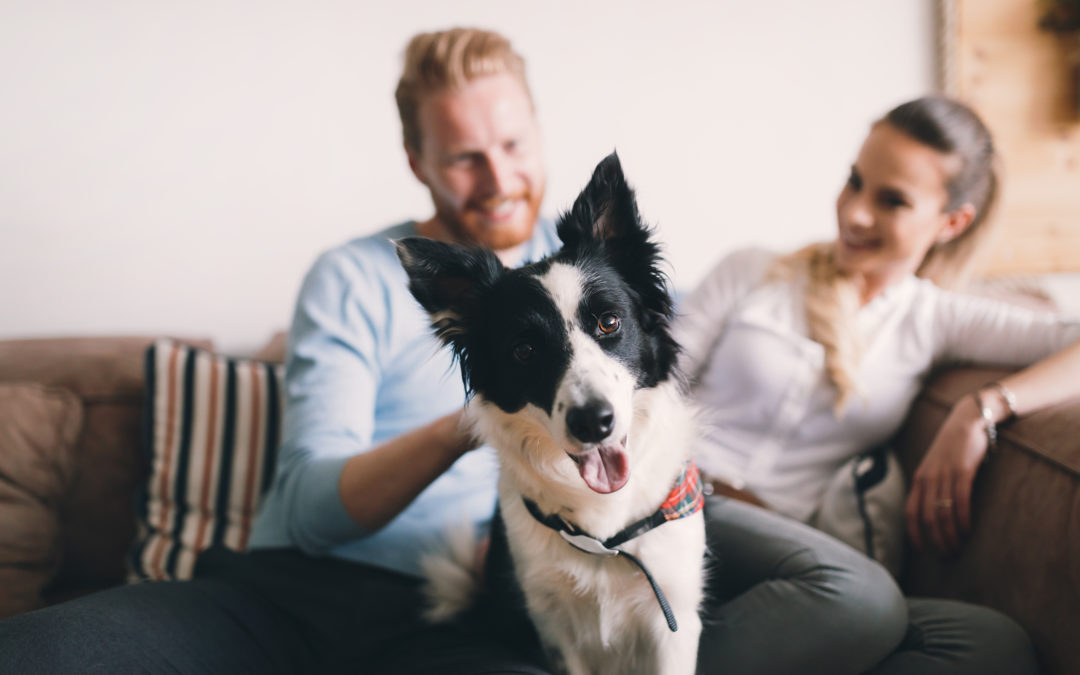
point(685, 499)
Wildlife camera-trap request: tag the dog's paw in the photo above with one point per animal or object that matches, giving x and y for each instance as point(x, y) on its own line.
point(452, 577)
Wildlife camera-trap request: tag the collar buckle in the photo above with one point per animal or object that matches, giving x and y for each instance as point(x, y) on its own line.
point(584, 542)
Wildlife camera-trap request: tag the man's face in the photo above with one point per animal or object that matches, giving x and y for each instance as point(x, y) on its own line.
point(480, 158)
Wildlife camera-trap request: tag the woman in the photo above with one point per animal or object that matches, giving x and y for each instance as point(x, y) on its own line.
point(802, 362)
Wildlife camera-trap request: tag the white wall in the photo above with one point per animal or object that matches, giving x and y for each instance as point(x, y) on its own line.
point(174, 167)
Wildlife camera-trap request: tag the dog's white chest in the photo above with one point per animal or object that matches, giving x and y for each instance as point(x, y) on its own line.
point(599, 611)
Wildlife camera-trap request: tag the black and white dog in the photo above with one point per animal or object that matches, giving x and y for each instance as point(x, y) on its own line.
point(570, 365)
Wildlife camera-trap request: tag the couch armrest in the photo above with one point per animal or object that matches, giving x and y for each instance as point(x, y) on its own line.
point(1023, 554)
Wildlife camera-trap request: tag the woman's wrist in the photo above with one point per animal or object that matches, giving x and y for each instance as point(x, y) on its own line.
point(994, 403)
point(966, 415)
point(967, 411)
point(998, 400)
point(987, 416)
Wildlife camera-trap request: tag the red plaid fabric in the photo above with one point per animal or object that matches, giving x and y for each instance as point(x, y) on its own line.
point(687, 497)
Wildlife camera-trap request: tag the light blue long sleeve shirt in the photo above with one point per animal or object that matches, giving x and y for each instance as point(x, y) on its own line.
point(362, 368)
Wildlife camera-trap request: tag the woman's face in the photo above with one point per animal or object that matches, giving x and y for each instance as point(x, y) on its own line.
point(892, 208)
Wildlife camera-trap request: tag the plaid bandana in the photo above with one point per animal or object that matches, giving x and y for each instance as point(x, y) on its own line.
point(687, 497)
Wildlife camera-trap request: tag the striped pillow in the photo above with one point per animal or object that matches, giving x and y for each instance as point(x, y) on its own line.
point(211, 430)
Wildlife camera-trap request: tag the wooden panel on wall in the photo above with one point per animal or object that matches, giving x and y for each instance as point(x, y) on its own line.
point(1020, 79)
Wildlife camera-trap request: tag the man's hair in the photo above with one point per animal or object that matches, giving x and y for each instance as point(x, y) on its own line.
point(447, 61)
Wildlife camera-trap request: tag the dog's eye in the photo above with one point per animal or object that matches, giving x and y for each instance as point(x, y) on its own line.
point(523, 351)
point(608, 324)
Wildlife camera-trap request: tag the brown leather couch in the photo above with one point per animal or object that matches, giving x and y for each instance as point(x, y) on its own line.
point(1023, 554)
point(70, 460)
point(70, 412)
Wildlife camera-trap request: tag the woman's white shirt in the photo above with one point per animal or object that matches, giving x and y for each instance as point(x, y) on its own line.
point(767, 403)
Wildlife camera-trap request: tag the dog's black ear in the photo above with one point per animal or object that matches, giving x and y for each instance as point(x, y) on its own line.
point(605, 220)
point(605, 209)
point(446, 280)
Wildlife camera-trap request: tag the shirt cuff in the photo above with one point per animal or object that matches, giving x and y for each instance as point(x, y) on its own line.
point(334, 526)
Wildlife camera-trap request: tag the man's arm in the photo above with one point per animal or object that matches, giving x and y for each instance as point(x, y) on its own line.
point(378, 484)
point(333, 486)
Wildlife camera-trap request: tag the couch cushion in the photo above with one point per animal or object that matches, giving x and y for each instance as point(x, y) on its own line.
point(38, 429)
point(97, 519)
point(213, 424)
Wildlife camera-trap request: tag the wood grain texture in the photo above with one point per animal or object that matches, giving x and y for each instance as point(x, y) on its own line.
point(1023, 81)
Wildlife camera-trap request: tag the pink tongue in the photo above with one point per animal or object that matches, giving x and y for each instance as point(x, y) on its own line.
point(604, 469)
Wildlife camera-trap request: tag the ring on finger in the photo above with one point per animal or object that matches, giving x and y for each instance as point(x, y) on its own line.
point(945, 503)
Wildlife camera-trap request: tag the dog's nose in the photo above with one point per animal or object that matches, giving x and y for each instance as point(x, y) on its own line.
point(592, 422)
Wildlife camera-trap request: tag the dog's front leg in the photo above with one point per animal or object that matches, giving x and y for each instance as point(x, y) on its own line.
point(678, 655)
point(562, 656)
point(561, 644)
point(573, 664)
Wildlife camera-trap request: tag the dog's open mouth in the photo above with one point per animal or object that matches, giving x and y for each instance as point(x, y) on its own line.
point(604, 468)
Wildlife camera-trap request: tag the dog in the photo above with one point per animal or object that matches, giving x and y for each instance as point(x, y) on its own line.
point(571, 371)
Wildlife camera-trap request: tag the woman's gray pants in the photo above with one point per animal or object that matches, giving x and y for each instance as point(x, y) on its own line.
point(785, 598)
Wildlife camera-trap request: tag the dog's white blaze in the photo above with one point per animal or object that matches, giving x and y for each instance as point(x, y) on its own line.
point(564, 283)
point(591, 374)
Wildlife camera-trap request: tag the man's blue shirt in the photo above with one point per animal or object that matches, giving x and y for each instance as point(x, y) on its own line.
point(363, 368)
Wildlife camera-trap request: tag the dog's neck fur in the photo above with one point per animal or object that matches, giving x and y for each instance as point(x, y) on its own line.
point(658, 446)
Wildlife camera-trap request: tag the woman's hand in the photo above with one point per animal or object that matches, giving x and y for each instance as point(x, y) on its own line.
point(939, 504)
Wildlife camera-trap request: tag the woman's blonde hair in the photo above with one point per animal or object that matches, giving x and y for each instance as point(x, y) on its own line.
point(833, 298)
point(447, 61)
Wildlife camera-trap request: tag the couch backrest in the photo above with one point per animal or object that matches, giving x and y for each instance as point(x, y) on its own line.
point(97, 517)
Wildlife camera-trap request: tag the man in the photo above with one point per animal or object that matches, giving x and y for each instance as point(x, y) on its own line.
point(374, 466)
point(471, 137)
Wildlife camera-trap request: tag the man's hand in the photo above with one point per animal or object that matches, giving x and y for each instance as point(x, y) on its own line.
point(456, 429)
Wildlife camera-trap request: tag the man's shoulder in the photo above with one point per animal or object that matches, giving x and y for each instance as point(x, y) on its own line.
point(380, 244)
point(544, 240)
point(365, 255)
point(374, 254)
point(753, 257)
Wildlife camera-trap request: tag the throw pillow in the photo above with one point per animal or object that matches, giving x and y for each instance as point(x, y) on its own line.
point(863, 506)
point(38, 430)
point(212, 426)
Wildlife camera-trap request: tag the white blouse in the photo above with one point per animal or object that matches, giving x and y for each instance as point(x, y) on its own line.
point(760, 380)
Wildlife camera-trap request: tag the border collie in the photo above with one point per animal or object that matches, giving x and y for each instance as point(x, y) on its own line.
point(570, 366)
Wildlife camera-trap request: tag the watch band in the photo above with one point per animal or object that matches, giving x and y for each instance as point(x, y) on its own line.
point(1008, 397)
point(988, 420)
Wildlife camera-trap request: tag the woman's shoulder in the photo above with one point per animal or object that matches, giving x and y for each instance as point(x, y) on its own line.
point(754, 256)
point(745, 263)
point(731, 277)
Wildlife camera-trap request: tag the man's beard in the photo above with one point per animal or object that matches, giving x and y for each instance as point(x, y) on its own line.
point(496, 236)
